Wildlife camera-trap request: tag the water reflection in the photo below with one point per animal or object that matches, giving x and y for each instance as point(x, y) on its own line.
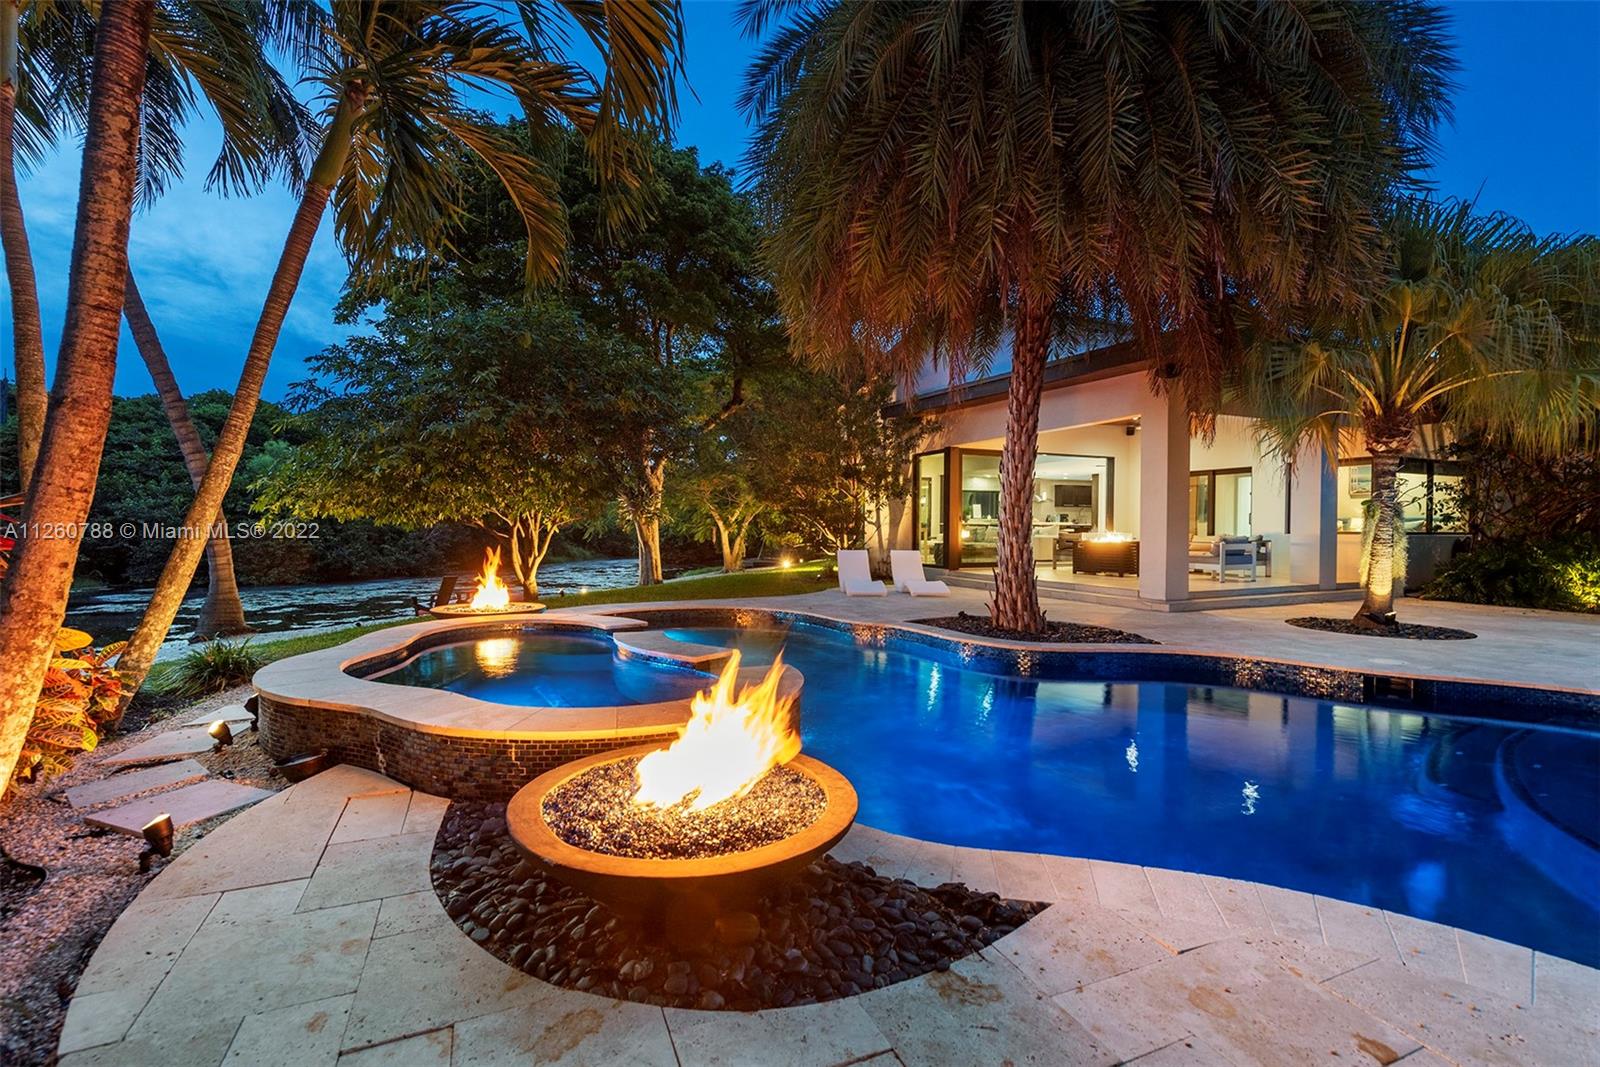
point(1390, 808)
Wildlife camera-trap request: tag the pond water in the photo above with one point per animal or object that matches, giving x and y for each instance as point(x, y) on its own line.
point(111, 615)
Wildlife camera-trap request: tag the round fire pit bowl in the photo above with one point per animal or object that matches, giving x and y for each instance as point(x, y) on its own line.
point(685, 892)
point(465, 611)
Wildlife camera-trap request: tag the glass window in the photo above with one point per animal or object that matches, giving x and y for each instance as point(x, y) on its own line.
point(1199, 505)
point(1354, 490)
point(980, 509)
point(1446, 485)
point(1230, 505)
point(932, 495)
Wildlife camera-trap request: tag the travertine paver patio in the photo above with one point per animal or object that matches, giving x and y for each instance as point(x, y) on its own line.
point(1516, 645)
point(305, 931)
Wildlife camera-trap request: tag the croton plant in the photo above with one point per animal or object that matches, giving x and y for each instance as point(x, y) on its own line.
point(81, 696)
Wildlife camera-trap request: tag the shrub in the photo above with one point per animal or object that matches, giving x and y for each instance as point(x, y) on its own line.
point(1562, 574)
point(213, 667)
point(82, 694)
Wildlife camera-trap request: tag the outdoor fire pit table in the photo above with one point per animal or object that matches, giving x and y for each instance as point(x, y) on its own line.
point(688, 890)
point(1105, 557)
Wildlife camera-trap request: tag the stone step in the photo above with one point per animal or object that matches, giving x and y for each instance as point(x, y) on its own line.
point(165, 746)
point(191, 804)
point(232, 714)
point(125, 785)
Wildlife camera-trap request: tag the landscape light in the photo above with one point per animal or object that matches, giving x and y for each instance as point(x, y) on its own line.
point(221, 733)
point(786, 563)
point(158, 834)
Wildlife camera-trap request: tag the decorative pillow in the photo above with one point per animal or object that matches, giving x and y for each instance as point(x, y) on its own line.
point(1206, 547)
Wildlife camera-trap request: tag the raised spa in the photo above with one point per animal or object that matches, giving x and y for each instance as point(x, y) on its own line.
point(545, 670)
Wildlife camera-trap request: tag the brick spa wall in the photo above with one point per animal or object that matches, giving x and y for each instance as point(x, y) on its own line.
point(448, 765)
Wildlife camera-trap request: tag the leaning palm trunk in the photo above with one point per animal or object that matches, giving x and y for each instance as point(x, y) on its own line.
point(178, 573)
point(1016, 594)
point(222, 613)
point(75, 431)
point(1377, 600)
point(27, 335)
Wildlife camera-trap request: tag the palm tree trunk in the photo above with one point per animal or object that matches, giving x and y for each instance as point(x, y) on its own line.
point(223, 613)
point(185, 556)
point(1377, 596)
point(75, 430)
point(1016, 594)
point(26, 332)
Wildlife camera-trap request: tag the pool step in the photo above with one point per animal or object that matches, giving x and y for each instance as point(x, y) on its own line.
point(656, 645)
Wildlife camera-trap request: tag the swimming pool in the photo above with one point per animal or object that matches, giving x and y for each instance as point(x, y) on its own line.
point(1488, 826)
point(548, 670)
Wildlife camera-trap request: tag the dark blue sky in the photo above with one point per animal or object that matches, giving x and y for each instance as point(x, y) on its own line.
point(1526, 139)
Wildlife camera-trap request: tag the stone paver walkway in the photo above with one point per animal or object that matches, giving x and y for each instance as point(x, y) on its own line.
point(305, 931)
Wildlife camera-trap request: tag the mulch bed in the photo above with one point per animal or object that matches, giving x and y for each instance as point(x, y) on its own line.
point(50, 928)
point(1065, 633)
point(1405, 631)
point(595, 811)
point(835, 931)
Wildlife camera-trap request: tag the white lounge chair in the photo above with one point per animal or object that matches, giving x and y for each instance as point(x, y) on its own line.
point(906, 565)
point(855, 575)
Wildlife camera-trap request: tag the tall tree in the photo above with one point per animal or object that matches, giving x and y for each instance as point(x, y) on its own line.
point(40, 575)
point(685, 286)
point(947, 180)
point(1481, 325)
point(27, 335)
point(219, 50)
point(223, 611)
point(493, 416)
point(394, 74)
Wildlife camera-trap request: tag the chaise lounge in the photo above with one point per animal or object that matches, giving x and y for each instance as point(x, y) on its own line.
point(855, 575)
point(906, 566)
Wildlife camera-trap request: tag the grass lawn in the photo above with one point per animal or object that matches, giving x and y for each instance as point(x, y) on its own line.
point(804, 578)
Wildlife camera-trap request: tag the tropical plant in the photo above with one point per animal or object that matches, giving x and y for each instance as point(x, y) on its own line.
point(950, 180)
point(1481, 325)
point(394, 76)
point(40, 576)
point(1557, 573)
point(81, 696)
point(214, 667)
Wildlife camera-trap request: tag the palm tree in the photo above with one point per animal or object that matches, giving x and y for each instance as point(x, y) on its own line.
point(398, 134)
point(223, 611)
point(221, 48)
point(26, 332)
point(944, 178)
point(40, 575)
point(1480, 324)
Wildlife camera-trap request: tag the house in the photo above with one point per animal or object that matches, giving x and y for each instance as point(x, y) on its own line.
point(1128, 502)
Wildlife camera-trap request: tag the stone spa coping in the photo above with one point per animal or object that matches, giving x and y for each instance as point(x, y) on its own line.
point(341, 679)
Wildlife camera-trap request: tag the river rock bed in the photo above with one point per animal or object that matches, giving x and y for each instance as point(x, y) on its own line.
point(1064, 633)
point(837, 930)
point(1405, 631)
point(595, 811)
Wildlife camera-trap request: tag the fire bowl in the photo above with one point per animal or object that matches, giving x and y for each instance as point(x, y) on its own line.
point(466, 611)
point(687, 890)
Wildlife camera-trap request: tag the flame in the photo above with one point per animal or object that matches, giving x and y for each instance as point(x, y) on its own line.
point(492, 593)
point(729, 744)
point(1111, 536)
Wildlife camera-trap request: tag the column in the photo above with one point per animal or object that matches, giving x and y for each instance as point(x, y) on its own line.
point(1313, 519)
point(1164, 500)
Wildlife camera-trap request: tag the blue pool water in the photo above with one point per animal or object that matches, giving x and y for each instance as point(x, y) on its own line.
point(546, 670)
point(1395, 809)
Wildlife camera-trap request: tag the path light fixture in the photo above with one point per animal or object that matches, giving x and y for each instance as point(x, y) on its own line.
point(221, 733)
point(158, 834)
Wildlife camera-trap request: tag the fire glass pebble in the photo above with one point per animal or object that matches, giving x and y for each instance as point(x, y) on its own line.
point(595, 811)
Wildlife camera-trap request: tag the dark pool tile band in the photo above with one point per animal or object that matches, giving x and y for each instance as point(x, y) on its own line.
point(1144, 663)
